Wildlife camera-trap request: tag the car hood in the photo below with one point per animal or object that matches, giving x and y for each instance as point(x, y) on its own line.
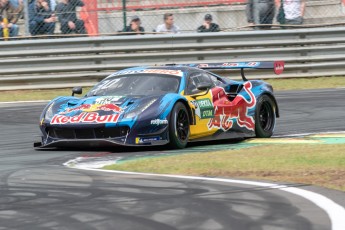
point(96, 109)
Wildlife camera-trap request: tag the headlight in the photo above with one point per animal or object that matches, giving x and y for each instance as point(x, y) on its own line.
point(49, 112)
point(140, 109)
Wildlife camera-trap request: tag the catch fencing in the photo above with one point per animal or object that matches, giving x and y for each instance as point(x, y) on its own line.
point(67, 62)
point(66, 18)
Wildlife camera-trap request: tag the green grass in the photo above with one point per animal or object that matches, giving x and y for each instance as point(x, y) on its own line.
point(300, 163)
point(33, 95)
point(307, 83)
point(278, 84)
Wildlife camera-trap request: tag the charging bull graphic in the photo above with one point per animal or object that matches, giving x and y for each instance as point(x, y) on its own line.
point(227, 112)
point(93, 108)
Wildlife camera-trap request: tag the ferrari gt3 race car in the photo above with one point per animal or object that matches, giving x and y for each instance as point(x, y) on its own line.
point(172, 104)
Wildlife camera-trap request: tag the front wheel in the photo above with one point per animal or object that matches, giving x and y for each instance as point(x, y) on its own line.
point(179, 126)
point(265, 117)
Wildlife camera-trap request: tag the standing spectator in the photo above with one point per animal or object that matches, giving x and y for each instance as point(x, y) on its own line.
point(41, 17)
point(260, 12)
point(293, 10)
point(208, 25)
point(168, 25)
point(134, 26)
point(9, 15)
point(66, 12)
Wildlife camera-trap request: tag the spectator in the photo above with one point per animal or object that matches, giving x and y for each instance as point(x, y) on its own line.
point(9, 16)
point(134, 26)
point(208, 25)
point(260, 12)
point(293, 11)
point(66, 12)
point(41, 17)
point(168, 26)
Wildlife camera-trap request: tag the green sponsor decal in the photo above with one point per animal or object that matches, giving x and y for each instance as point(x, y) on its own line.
point(206, 108)
point(207, 113)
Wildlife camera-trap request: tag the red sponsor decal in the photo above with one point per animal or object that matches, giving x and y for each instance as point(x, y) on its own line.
point(109, 107)
point(252, 64)
point(164, 71)
point(85, 118)
point(226, 112)
point(202, 65)
point(230, 64)
point(278, 67)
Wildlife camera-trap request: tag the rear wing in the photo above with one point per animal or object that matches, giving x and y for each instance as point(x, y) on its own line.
point(277, 66)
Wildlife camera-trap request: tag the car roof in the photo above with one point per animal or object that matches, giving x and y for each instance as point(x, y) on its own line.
point(168, 67)
point(184, 70)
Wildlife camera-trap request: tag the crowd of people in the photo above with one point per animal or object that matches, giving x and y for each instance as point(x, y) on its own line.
point(44, 14)
point(261, 13)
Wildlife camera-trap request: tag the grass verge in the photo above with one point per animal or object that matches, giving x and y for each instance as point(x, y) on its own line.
point(33, 95)
point(300, 163)
point(278, 84)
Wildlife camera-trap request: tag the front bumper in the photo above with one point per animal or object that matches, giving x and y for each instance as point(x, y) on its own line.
point(96, 136)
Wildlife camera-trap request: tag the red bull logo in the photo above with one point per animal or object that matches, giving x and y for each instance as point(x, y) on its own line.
point(85, 118)
point(94, 107)
point(226, 112)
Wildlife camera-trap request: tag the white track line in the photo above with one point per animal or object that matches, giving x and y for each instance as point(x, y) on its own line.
point(335, 212)
point(308, 134)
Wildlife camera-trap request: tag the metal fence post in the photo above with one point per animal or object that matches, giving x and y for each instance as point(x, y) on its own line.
point(26, 17)
point(124, 14)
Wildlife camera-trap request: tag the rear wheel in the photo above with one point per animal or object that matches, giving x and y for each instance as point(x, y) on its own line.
point(265, 117)
point(179, 126)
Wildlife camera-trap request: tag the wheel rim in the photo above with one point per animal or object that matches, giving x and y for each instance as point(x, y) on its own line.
point(182, 125)
point(266, 116)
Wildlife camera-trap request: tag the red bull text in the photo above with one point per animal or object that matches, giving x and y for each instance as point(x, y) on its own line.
point(85, 118)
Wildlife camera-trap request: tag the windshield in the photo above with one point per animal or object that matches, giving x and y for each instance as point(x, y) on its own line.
point(136, 84)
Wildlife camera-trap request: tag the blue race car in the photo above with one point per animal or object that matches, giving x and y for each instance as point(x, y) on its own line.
point(172, 104)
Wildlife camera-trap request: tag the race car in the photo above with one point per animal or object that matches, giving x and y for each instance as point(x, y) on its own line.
point(163, 105)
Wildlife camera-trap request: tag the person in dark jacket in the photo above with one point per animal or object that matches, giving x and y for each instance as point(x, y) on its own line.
point(134, 27)
point(260, 12)
point(41, 17)
point(9, 15)
point(208, 25)
point(66, 12)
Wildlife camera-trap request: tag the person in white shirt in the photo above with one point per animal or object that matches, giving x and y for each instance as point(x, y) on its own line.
point(293, 10)
point(168, 26)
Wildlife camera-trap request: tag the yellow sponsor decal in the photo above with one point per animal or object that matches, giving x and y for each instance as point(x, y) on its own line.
point(202, 107)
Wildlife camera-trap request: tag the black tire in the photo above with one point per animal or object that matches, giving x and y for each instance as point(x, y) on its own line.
point(265, 117)
point(179, 126)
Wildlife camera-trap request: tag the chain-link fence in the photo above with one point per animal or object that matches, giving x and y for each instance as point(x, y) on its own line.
point(63, 18)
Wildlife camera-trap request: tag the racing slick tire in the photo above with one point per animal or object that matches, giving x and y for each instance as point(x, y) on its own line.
point(179, 126)
point(265, 117)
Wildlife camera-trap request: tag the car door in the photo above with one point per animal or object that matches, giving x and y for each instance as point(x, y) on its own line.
point(201, 103)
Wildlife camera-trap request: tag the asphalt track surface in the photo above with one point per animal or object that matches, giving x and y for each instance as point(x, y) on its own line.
point(37, 192)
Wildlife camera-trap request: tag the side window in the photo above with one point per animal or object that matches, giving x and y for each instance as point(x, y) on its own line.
point(215, 80)
point(196, 78)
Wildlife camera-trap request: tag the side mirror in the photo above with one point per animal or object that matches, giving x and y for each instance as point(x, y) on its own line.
point(204, 86)
point(77, 90)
